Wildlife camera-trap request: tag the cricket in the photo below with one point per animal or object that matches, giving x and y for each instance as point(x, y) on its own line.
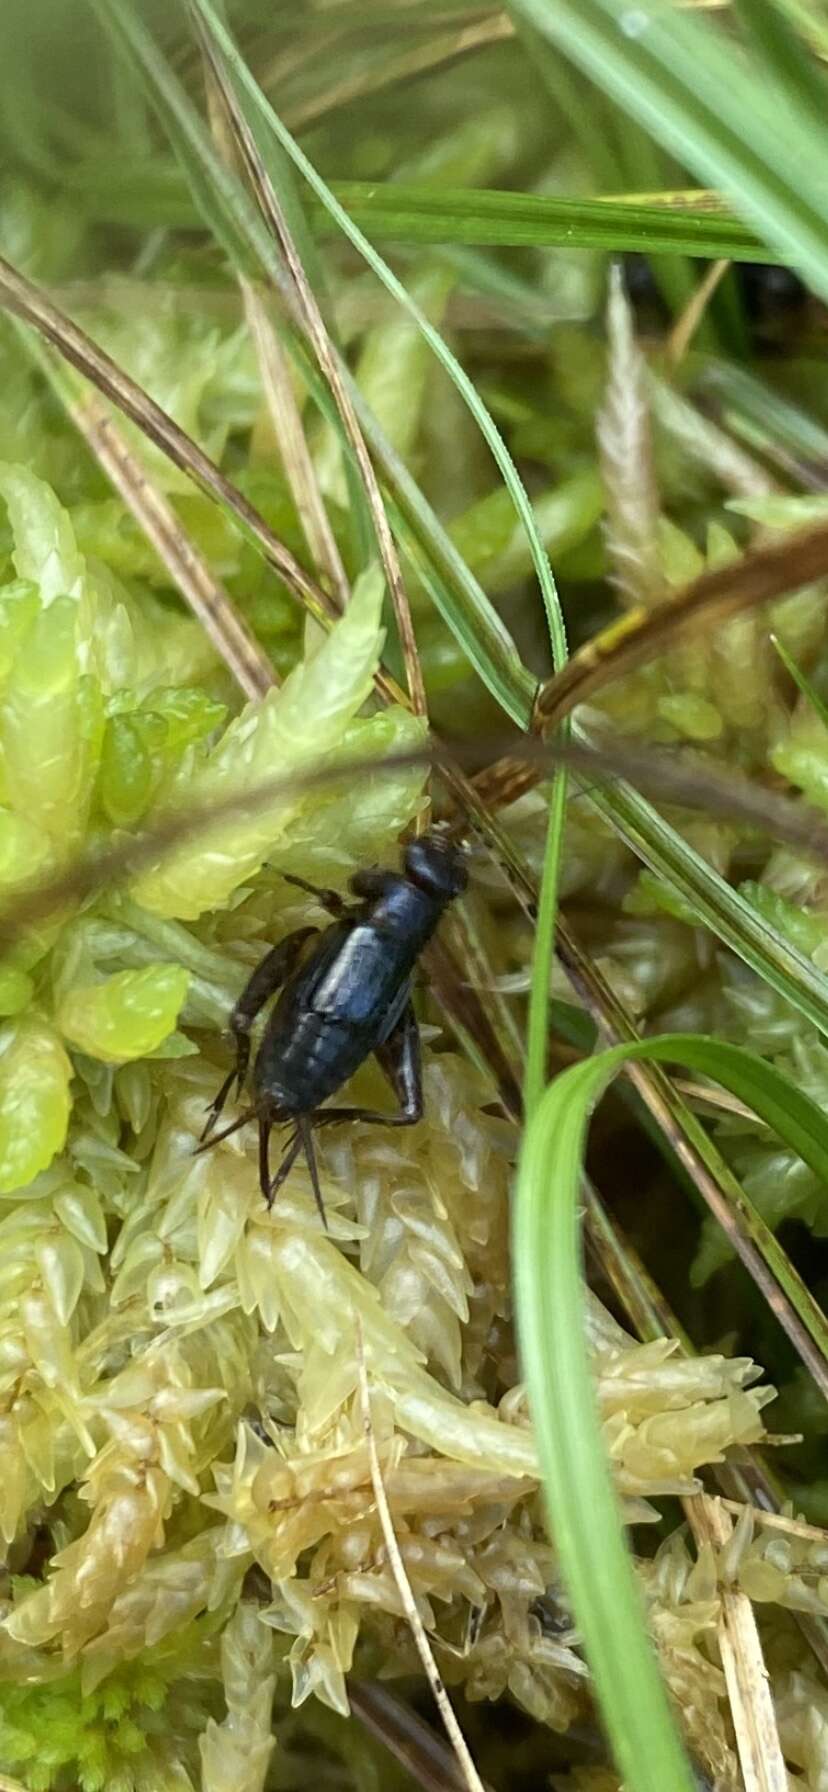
point(344, 994)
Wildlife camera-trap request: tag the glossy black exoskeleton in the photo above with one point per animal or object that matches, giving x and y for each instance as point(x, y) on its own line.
point(344, 996)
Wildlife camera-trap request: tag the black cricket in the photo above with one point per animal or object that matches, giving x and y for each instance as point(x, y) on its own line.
point(344, 997)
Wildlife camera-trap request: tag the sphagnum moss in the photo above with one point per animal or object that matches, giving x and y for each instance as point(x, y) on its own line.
point(151, 1304)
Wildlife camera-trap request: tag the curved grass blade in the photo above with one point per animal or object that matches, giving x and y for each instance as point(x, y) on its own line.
point(583, 1511)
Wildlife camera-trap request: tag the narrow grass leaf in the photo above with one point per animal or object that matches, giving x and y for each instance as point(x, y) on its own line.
point(403, 212)
point(583, 1511)
point(801, 680)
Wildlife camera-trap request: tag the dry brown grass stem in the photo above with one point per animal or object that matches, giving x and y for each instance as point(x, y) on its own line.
point(687, 323)
point(186, 566)
point(314, 326)
point(286, 419)
point(751, 1704)
point(470, 1776)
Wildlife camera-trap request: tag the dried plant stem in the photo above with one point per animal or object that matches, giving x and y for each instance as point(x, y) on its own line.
point(290, 435)
point(686, 325)
point(280, 397)
point(749, 1694)
point(435, 53)
point(714, 1181)
point(470, 1776)
point(757, 578)
point(24, 300)
point(19, 296)
point(186, 566)
point(796, 824)
point(778, 1521)
point(314, 326)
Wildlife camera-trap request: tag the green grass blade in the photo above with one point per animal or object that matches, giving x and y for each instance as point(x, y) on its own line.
point(584, 1517)
point(801, 680)
point(149, 189)
point(583, 1512)
point(727, 116)
point(397, 212)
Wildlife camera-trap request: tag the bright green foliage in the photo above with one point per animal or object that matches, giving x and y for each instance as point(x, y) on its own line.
point(51, 725)
point(127, 1016)
point(312, 715)
point(91, 731)
point(134, 1731)
point(45, 549)
point(34, 1100)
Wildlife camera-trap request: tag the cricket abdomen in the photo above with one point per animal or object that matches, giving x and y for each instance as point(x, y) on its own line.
point(332, 1015)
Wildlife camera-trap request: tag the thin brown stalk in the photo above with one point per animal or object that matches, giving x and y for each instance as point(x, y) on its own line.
point(470, 1019)
point(751, 1704)
point(283, 408)
point(687, 323)
point(643, 1302)
point(469, 1774)
point(320, 342)
point(766, 573)
point(795, 824)
point(185, 564)
point(24, 300)
point(299, 469)
point(746, 1232)
point(718, 1099)
point(394, 69)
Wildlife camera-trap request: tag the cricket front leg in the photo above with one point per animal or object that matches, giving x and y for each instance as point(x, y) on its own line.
point(266, 979)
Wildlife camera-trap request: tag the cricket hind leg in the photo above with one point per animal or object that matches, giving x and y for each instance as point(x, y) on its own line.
point(302, 1140)
point(266, 979)
point(400, 1059)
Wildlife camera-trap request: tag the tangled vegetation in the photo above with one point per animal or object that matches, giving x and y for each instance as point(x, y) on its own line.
point(197, 1587)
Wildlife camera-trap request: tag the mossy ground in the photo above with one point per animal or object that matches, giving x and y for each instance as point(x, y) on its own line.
point(194, 1565)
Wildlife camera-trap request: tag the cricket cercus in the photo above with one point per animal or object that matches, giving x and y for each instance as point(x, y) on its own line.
point(345, 993)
